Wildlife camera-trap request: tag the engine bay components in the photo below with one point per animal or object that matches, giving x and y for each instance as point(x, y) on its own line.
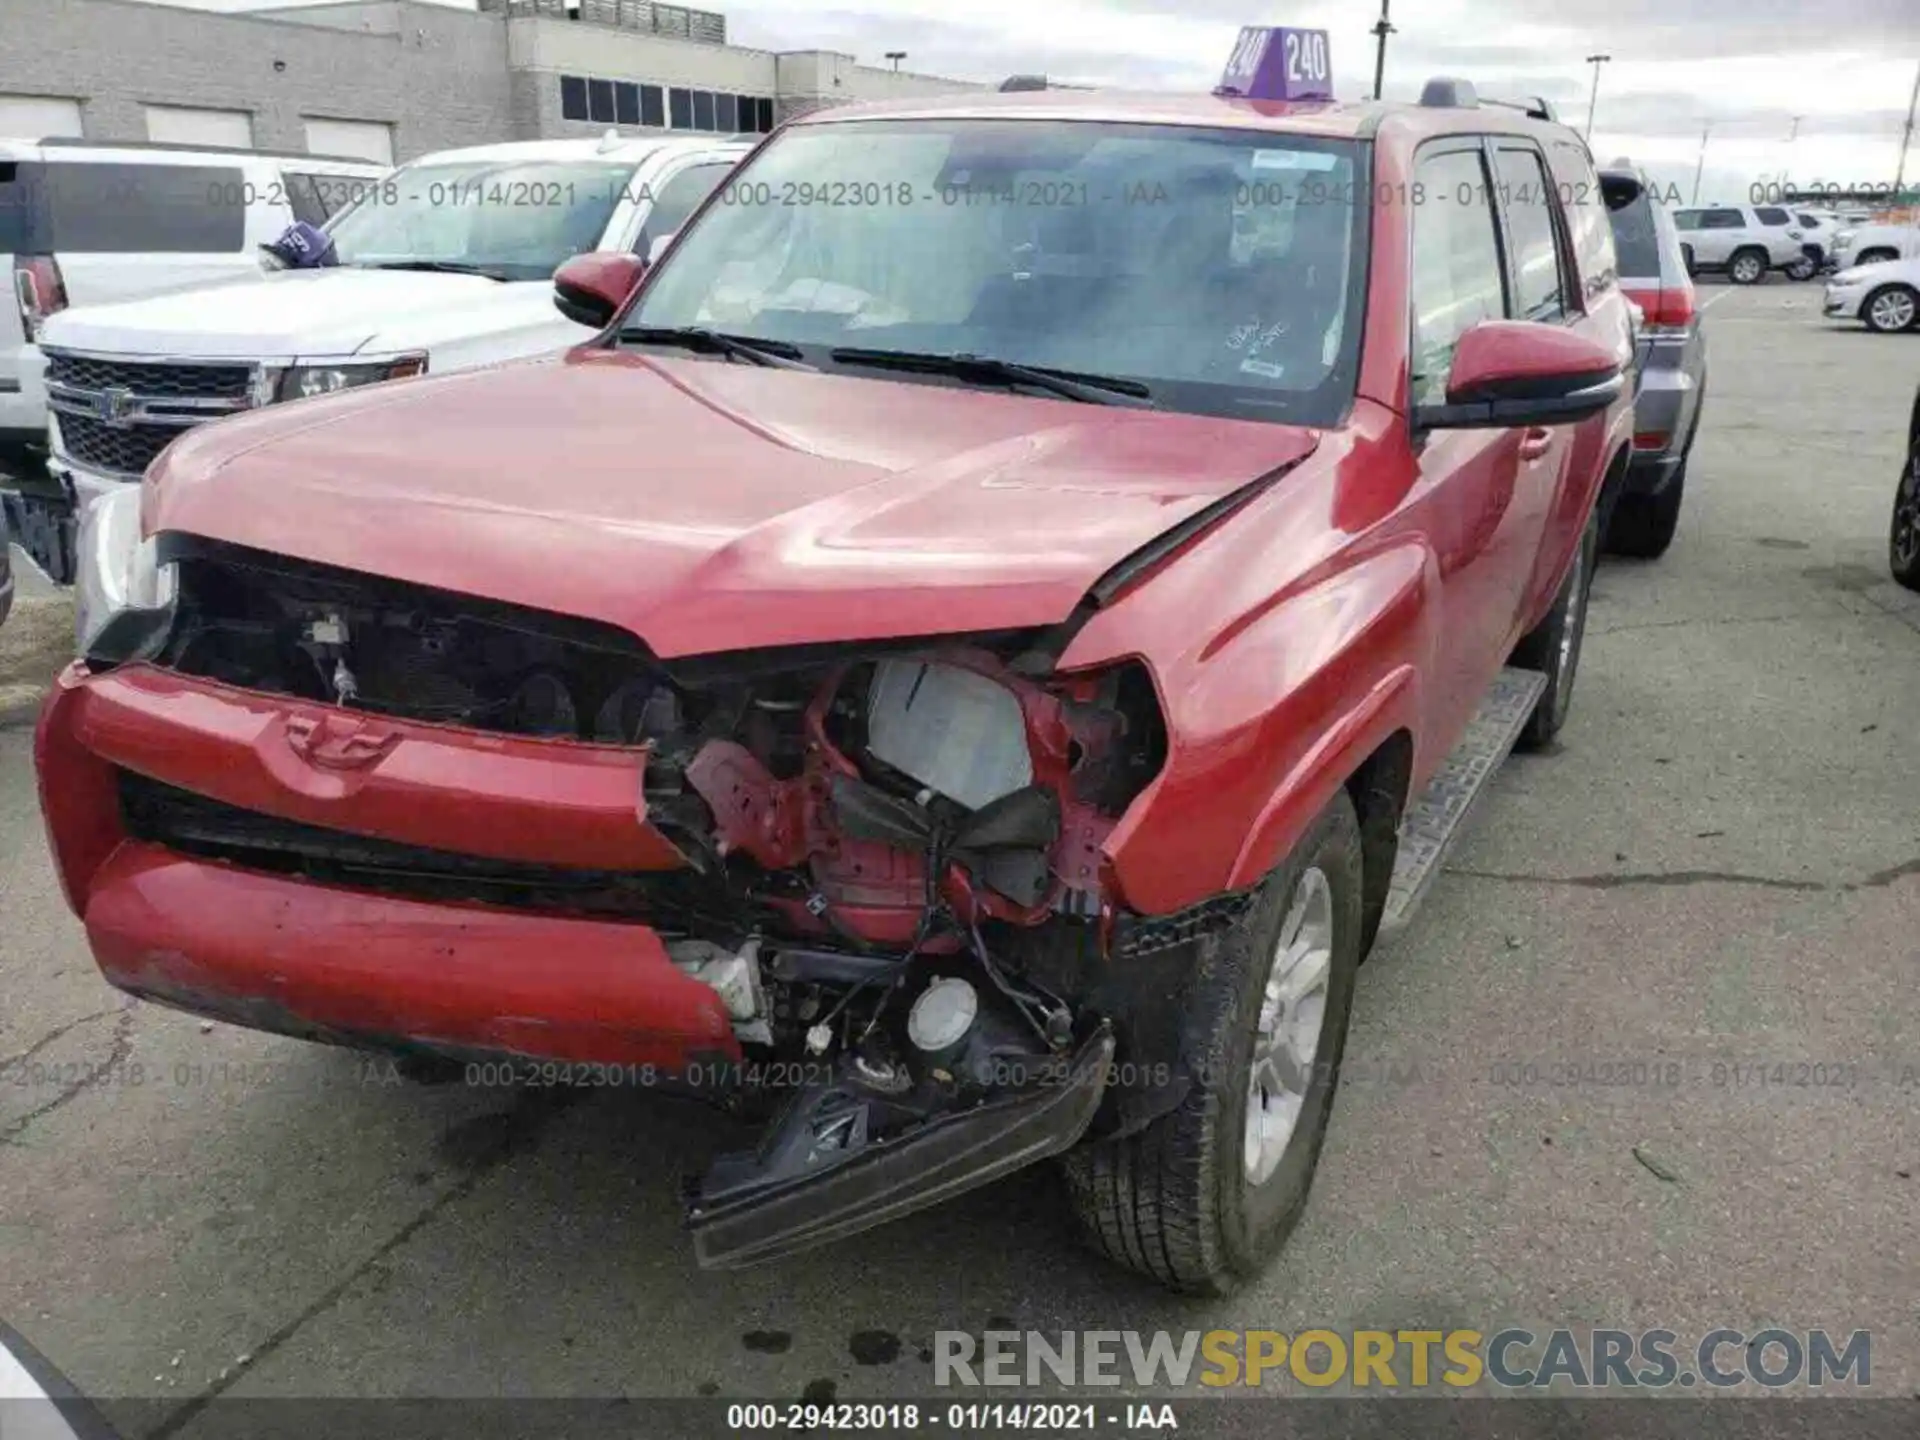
point(955, 731)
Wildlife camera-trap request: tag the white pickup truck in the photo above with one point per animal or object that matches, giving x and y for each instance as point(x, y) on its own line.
point(446, 265)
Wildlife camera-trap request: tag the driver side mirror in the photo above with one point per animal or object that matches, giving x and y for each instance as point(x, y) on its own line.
point(590, 289)
point(1512, 373)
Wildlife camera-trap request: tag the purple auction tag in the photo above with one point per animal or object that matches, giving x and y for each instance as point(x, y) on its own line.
point(1277, 63)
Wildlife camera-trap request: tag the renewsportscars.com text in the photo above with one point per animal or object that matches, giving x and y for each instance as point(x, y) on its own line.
point(1510, 1359)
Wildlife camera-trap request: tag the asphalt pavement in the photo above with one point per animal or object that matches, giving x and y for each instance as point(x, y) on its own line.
point(1719, 869)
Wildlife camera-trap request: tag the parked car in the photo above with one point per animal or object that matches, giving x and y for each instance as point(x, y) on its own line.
point(1745, 241)
point(1819, 230)
point(1872, 243)
point(1903, 544)
point(446, 265)
point(1672, 385)
point(91, 223)
point(6, 569)
point(1885, 296)
point(970, 649)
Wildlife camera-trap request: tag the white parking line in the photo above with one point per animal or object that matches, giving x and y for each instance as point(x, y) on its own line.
point(1715, 300)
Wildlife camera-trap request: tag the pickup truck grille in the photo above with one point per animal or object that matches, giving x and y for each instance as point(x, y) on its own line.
point(117, 415)
point(158, 379)
point(100, 446)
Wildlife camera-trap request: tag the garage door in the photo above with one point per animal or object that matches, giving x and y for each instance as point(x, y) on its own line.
point(34, 117)
point(362, 139)
point(178, 125)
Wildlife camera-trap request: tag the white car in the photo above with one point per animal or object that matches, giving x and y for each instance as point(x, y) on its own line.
point(1870, 244)
point(446, 265)
point(1746, 241)
point(1885, 295)
point(90, 223)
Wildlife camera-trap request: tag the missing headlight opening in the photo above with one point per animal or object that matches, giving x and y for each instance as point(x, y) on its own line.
point(893, 852)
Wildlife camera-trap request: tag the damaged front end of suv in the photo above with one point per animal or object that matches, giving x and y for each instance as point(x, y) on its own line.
point(885, 858)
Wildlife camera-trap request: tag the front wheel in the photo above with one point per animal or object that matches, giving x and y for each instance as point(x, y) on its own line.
point(1748, 267)
point(1553, 646)
point(1805, 268)
point(1203, 1199)
point(1903, 545)
point(1891, 309)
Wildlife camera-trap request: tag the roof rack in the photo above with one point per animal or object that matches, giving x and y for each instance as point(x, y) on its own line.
point(1445, 92)
point(74, 142)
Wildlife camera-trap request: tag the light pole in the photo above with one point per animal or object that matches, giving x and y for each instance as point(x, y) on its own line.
point(1596, 61)
point(896, 56)
point(1906, 139)
point(1698, 170)
point(1381, 29)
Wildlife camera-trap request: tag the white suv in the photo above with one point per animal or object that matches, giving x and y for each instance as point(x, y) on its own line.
point(88, 223)
point(1746, 241)
point(1871, 244)
point(447, 264)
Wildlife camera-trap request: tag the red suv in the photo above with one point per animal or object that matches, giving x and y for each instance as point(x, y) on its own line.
point(959, 647)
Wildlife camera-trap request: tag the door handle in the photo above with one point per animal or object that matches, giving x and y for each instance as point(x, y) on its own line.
point(1535, 442)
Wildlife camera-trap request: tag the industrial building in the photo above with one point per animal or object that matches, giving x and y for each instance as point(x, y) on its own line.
point(391, 79)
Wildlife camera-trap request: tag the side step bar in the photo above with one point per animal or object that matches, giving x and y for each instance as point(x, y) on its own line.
point(1434, 821)
point(944, 1158)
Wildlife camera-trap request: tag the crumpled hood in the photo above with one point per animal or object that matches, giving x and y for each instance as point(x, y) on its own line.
point(294, 313)
point(706, 506)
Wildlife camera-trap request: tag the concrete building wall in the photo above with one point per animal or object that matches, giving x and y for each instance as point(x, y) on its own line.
point(437, 76)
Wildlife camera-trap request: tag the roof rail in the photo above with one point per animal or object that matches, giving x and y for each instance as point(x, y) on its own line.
point(73, 142)
point(1444, 92)
point(1536, 106)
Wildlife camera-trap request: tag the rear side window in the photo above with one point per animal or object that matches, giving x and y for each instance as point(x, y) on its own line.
point(1725, 220)
point(1457, 274)
point(1686, 220)
point(1636, 239)
point(144, 209)
point(1586, 211)
point(678, 199)
point(16, 207)
point(1771, 215)
point(1812, 222)
point(1528, 201)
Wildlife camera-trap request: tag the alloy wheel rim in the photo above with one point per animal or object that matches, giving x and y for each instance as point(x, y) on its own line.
point(1573, 626)
point(1893, 310)
point(1293, 1015)
point(1906, 519)
point(1746, 268)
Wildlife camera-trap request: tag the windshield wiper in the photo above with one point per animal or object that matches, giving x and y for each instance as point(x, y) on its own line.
point(774, 353)
point(1069, 384)
point(437, 267)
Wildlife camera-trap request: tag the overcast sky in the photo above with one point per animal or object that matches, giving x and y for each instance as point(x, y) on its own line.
point(1744, 67)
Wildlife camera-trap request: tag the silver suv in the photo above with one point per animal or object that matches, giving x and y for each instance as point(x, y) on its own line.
point(1746, 241)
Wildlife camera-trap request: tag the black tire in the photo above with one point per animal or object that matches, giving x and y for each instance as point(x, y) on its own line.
point(1750, 263)
point(1548, 648)
point(1174, 1201)
point(1871, 307)
point(1805, 268)
point(1874, 257)
point(1903, 543)
point(1686, 258)
point(1643, 525)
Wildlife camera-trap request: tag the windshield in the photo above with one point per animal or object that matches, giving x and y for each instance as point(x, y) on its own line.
point(1219, 269)
point(514, 221)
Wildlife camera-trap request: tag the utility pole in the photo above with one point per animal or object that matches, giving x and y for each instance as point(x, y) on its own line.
point(1698, 170)
point(1596, 61)
point(1906, 138)
point(1382, 29)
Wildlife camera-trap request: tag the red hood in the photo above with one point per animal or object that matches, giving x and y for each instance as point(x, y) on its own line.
point(708, 507)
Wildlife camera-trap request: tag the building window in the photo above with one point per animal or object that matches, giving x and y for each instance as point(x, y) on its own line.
point(627, 102)
point(600, 101)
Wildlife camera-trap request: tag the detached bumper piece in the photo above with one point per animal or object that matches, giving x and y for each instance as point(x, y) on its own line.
point(819, 1179)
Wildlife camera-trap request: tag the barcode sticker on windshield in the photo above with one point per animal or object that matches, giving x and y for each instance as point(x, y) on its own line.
point(1263, 367)
point(1294, 160)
